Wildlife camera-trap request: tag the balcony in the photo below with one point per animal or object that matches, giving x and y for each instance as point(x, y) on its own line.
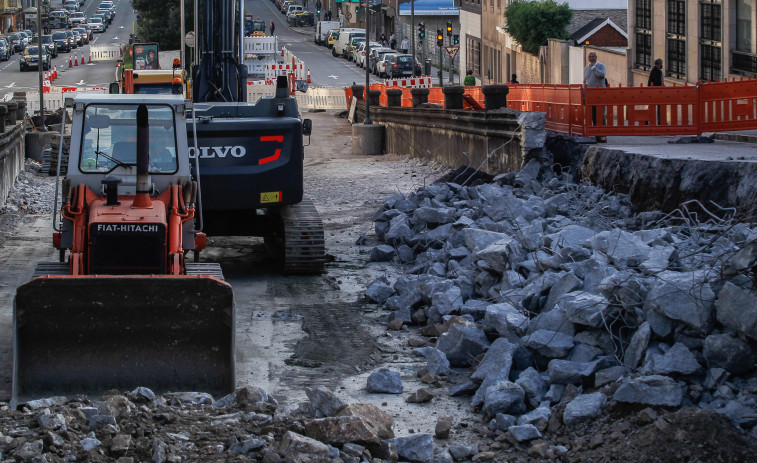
point(10, 6)
point(743, 63)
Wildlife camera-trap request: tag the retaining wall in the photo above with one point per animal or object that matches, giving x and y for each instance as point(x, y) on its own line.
point(12, 154)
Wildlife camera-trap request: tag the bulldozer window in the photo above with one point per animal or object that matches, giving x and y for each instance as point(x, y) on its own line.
point(110, 139)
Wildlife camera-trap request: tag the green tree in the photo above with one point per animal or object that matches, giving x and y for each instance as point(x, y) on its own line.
point(531, 23)
point(159, 21)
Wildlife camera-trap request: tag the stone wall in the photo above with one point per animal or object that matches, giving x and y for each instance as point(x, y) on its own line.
point(494, 141)
point(12, 155)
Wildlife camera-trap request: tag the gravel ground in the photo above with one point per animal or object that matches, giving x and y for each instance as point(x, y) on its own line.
point(347, 190)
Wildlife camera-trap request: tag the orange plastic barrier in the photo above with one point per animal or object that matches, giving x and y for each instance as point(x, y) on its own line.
point(578, 110)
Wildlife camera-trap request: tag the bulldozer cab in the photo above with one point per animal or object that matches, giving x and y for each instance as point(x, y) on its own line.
point(108, 145)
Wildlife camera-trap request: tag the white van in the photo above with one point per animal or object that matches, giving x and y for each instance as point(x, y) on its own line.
point(342, 45)
point(322, 30)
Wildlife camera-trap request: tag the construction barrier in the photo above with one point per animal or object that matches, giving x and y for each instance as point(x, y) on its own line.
point(111, 52)
point(409, 82)
point(275, 70)
point(321, 98)
point(616, 111)
point(261, 46)
point(55, 97)
point(258, 68)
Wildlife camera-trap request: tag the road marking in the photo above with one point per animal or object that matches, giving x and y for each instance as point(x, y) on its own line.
point(81, 82)
point(334, 77)
point(12, 84)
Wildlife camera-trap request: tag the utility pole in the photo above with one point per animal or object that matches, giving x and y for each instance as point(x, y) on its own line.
point(367, 120)
point(451, 59)
point(412, 32)
point(40, 66)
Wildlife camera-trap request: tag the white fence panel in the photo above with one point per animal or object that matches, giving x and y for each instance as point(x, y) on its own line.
point(256, 90)
point(322, 98)
point(105, 52)
point(261, 45)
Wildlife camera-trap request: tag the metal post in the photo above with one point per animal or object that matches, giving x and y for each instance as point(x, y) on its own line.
point(183, 34)
point(451, 64)
point(367, 120)
point(42, 127)
point(441, 70)
point(412, 33)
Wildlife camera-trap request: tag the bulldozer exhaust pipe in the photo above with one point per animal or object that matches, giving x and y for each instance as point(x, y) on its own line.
point(142, 199)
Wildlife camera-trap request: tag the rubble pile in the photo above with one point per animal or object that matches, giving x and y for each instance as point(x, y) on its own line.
point(560, 308)
point(30, 193)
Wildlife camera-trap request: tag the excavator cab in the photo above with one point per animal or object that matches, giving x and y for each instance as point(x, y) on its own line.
point(123, 308)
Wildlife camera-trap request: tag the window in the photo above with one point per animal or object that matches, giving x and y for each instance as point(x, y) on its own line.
point(676, 17)
point(643, 34)
point(473, 54)
point(710, 60)
point(676, 58)
point(643, 50)
point(644, 14)
point(744, 26)
point(710, 21)
point(743, 63)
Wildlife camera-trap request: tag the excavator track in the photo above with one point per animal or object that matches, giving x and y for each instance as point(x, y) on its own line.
point(304, 244)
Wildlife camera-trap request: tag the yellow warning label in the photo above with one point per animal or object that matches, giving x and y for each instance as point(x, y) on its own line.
point(270, 197)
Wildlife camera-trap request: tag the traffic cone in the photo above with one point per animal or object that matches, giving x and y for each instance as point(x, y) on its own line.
point(55, 72)
point(90, 58)
point(308, 75)
point(76, 58)
point(82, 57)
point(69, 61)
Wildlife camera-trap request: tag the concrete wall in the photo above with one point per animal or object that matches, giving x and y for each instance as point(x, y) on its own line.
point(496, 142)
point(12, 154)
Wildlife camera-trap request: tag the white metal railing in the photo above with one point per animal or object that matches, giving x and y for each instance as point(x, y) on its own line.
point(109, 52)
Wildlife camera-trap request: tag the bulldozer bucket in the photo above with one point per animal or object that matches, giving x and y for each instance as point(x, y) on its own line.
point(89, 334)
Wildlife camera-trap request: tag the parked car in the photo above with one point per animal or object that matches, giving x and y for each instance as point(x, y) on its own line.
point(360, 55)
point(24, 37)
point(71, 39)
point(88, 28)
point(401, 66)
point(381, 64)
point(332, 37)
point(61, 40)
point(96, 23)
point(5, 51)
point(83, 32)
point(76, 18)
point(107, 15)
point(30, 59)
point(17, 42)
point(49, 44)
point(285, 5)
point(78, 39)
point(376, 55)
point(58, 19)
point(350, 50)
point(304, 19)
point(7, 41)
point(71, 5)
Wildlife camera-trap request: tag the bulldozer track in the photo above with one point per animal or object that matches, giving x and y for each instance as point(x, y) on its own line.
point(304, 243)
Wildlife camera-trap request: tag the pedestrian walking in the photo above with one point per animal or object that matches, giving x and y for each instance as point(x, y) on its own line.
point(404, 45)
point(273, 27)
point(469, 80)
point(393, 41)
point(655, 80)
point(594, 77)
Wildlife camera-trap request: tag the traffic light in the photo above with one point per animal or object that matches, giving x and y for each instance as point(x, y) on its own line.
point(439, 38)
point(449, 28)
point(357, 9)
point(422, 30)
point(456, 39)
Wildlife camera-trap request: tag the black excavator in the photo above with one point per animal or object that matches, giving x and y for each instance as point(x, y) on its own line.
point(250, 154)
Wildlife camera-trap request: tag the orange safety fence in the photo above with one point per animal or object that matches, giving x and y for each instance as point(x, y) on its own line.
point(577, 110)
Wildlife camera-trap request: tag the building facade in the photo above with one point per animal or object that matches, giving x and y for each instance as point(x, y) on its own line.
point(696, 39)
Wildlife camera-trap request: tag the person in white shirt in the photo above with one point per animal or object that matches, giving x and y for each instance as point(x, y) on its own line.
point(594, 76)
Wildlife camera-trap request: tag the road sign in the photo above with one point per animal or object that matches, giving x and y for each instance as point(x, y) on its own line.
point(452, 50)
point(189, 39)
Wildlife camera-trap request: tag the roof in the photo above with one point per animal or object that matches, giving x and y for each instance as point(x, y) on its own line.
point(592, 27)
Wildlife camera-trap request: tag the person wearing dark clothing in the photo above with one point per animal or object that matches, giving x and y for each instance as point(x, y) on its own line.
point(514, 79)
point(655, 80)
point(655, 77)
point(273, 27)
